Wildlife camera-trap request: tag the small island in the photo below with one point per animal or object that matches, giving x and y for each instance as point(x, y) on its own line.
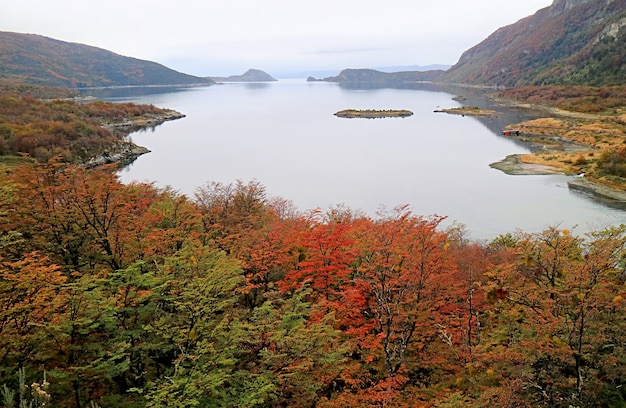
point(467, 110)
point(373, 113)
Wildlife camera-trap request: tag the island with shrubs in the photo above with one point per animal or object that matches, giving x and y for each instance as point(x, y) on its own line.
point(373, 113)
point(467, 110)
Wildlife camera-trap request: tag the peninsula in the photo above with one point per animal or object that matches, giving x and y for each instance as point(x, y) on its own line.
point(89, 134)
point(574, 137)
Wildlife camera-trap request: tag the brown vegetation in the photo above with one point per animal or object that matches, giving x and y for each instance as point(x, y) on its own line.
point(74, 131)
point(587, 99)
point(584, 133)
point(467, 110)
point(373, 113)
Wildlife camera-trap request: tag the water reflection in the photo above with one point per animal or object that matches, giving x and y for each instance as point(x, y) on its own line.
point(617, 205)
point(131, 93)
point(257, 85)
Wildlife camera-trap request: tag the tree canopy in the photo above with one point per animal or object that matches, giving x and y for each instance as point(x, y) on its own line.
point(136, 296)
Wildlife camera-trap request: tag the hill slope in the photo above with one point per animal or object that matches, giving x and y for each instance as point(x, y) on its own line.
point(572, 42)
point(38, 60)
point(374, 76)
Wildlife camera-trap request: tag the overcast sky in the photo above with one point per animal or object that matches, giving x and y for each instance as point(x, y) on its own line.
point(225, 37)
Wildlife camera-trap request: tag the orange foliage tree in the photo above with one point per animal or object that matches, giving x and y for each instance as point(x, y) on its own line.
point(558, 317)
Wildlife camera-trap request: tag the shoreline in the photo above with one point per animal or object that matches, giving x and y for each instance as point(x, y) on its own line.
point(597, 189)
point(152, 120)
point(552, 143)
point(515, 166)
point(125, 152)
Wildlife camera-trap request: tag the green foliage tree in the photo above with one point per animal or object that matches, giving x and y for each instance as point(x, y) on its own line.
point(298, 351)
point(8, 237)
point(195, 309)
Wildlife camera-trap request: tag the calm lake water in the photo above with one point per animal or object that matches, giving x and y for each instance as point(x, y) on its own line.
point(285, 136)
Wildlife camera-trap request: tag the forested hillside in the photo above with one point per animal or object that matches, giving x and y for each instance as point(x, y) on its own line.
point(38, 60)
point(133, 296)
point(75, 132)
point(372, 76)
point(572, 42)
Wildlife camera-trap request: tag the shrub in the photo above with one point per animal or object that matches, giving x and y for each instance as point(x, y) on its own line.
point(581, 161)
point(613, 162)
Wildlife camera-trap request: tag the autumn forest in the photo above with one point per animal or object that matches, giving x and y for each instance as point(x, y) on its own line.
point(130, 295)
point(134, 296)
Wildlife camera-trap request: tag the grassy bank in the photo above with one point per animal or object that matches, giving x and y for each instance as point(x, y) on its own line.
point(583, 131)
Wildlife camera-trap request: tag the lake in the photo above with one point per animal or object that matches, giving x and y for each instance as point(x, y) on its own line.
point(284, 135)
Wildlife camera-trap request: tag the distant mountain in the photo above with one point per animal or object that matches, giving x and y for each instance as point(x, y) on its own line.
point(324, 73)
point(251, 75)
point(373, 76)
point(37, 60)
point(304, 73)
point(572, 42)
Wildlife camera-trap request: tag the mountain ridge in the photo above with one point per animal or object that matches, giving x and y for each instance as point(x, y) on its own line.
point(571, 42)
point(366, 75)
point(38, 60)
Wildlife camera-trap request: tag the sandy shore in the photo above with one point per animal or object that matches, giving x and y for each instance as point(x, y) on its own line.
point(515, 166)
